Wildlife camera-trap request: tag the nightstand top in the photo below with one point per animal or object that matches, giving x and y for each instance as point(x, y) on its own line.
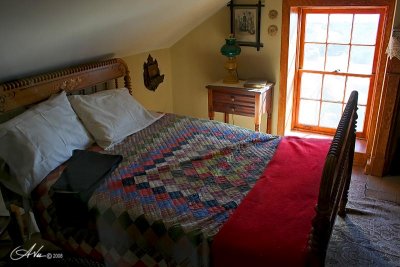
point(239, 85)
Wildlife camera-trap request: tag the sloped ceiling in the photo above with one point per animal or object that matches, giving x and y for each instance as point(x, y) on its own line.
point(41, 35)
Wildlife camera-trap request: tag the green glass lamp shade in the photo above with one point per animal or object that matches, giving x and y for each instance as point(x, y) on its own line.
point(230, 48)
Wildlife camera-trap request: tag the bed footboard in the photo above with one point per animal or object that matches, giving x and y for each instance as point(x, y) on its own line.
point(335, 183)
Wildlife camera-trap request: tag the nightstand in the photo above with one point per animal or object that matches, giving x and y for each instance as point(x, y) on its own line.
point(239, 100)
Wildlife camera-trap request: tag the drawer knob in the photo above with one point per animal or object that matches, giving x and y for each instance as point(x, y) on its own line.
point(233, 98)
point(233, 109)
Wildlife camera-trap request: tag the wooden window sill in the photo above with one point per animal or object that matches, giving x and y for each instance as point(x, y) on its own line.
point(360, 148)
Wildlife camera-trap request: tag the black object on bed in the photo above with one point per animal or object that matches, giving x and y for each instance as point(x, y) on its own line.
point(84, 172)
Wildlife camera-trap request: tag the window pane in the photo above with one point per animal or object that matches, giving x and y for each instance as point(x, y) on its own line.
point(330, 115)
point(337, 57)
point(365, 28)
point(359, 84)
point(361, 118)
point(308, 113)
point(333, 89)
point(361, 58)
point(311, 86)
point(314, 55)
point(316, 27)
point(340, 28)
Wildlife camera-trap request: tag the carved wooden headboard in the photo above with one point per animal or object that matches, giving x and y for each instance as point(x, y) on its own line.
point(23, 92)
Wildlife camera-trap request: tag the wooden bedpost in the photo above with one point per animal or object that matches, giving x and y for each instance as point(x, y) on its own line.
point(335, 182)
point(343, 201)
point(127, 78)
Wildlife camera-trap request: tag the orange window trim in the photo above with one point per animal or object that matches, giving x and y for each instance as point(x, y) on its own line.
point(344, 10)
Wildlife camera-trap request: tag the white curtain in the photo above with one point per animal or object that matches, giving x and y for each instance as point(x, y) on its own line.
point(393, 49)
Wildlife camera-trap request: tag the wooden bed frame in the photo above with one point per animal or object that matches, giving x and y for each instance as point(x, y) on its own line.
point(335, 183)
point(15, 96)
point(25, 92)
point(336, 173)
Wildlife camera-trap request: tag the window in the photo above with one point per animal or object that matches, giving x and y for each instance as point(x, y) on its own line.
point(337, 54)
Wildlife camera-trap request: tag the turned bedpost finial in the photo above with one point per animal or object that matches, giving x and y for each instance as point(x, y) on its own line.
point(127, 77)
point(127, 80)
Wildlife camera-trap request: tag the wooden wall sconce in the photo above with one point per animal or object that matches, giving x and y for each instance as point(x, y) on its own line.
point(151, 74)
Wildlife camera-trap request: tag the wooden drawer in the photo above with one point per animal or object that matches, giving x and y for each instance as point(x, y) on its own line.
point(232, 98)
point(234, 108)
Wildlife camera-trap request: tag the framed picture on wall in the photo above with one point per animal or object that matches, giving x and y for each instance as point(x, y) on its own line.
point(245, 23)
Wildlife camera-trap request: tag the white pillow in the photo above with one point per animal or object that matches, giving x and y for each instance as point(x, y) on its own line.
point(111, 115)
point(40, 139)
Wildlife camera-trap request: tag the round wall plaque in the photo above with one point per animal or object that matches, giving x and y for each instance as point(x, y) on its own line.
point(272, 30)
point(272, 14)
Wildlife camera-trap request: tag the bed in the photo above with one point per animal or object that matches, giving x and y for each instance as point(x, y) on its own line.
point(183, 192)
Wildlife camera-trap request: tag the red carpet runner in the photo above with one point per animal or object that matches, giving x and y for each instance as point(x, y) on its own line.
point(271, 225)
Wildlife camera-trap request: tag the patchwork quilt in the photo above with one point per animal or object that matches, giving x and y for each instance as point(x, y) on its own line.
point(180, 180)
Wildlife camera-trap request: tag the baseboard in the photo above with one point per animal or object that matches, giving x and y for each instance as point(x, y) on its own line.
point(360, 159)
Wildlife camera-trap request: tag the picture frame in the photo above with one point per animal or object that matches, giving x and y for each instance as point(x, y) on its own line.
point(246, 23)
